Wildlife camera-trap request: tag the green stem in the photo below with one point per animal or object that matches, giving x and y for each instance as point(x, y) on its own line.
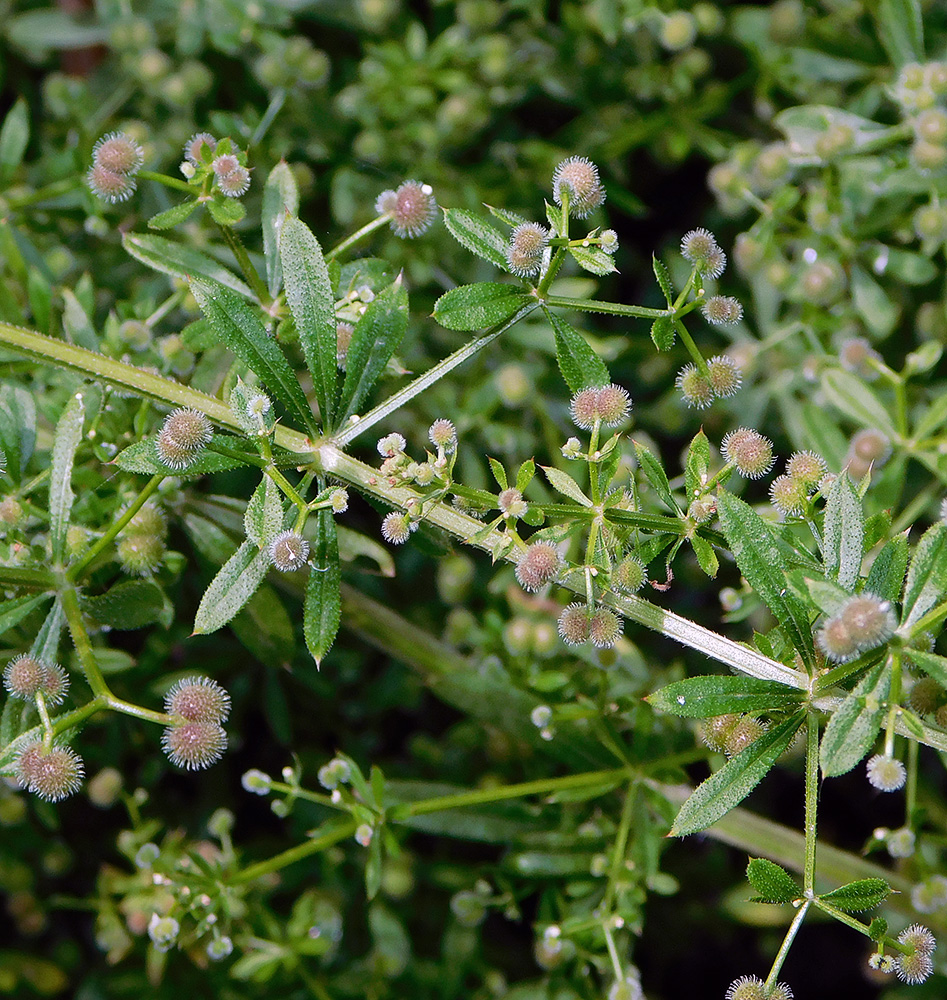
point(422, 382)
point(785, 946)
point(894, 696)
point(54, 190)
point(171, 182)
point(594, 305)
point(44, 718)
point(910, 796)
point(27, 579)
point(620, 849)
point(298, 853)
point(91, 554)
point(358, 235)
point(695, 354)
point(812, 799)
point(479, 796)
point(80, 638)
point(246, 266)
point(305, 794)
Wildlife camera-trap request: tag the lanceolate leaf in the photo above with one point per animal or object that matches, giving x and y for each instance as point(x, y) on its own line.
point(843, 533)
point(13, 612)
point(697, 466)
point(729, 786)
point(322, 611)
point(886, 576)
point(663, 332)
point(14, 136)
point(168, 257)
point(310, 300)
point(566, 485)
point(706, 557)
point(231, 588)
point(264, 515)
point(478, 236)
point(856, 400)
point(865, 894)
point(655, 474)
point(581, 367)
point(933, 665)
point(854, 725)
point(774, 884)
point(704, 697)
point(243, 333)
point(68, 436)
point(593, 259)
point(761, 562)
point(142, 457)
point(128, 605)
point(376, 337)
point(170, 218)
point(927, 578)
point(476, 307)
point(664, 278)
point(280, 197)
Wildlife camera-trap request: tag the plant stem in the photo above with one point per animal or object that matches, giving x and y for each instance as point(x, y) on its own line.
point(422, 382)
point(294, 854)
point(246, 266)
point(611, 308)
point(304, 794)
point(358, 235)
point(80, 639)
point(171, 182)
point(688, 341)
point(89, 556)
point(620, 848)
point(146, 714)
point(27, 579)
point(894, 697)
point(54, 190)
point(812, 798)
point(785, 946)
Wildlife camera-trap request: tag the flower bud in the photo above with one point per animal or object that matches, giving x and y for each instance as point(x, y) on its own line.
point(629, 575)
point(183, 435)
point(537, 566)
point(236, 183)
point(900, 843)
point(887, 774)
point(511, 503)
point(105, 788)
point(695, 387)
point(578, 177)
point(527, 245)
point(608, 240)
point(412, 208)
point(256, 782)
point(10, 512)
point(678, 30)
point(789, 496)
point(391, 445)
point(194, 745)
point(443, 434)
point(225, 164)
point(118, 153)
point(336, 772)
point(163, 931)
point(928, 157)
point(822, 282)
point(608, 404)
point(364, 834)
point(605, 628)
point(807, 467)
point(573, 625)
point(749, 451)
point(219, 948)
point(194, 147)
point(699, 247)
point(198, 699)
point(52, 773)
point(289, 551)
point(856, 354)
point(724, 375)
point(722, 310)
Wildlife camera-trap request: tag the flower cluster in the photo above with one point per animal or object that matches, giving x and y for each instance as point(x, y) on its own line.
point(219, 161)
point(579, 623)
point(196, 739)
point(863, 622)
point(790, 492)
point(116, 160)
point(26, 676)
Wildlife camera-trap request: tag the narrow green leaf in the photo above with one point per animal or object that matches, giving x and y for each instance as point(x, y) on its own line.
point(554, 215)
point(886, 576)
point(475, 307)
point(499, 473)
point(729, 786)
point(322, 611)
point(128, 605)
point(854, 725)
point(17, 428)
point(376, 338)
point(663, 332)
point(68, 436)
point(864, 894)
point(310, 300)
point(264, 514)
point(46, 644)
point(843, 533)
point(933, 665)
point(581, 367)
point(593, 259)
point(697, 467)
point(850, 395)
point(706, 557)
point(878, 311)
point(478, 236)
point(141, 457)
point(231, 588)
point(663, 276)
point(243, 333)
point(512, 219)
point(566, 485)
point(173, 216)
point(524, 474)
point(900, 30)
point(655, 474)
point(76, 322)
point(774, 884)
point(13, 612)
point(927, 578)
point(226, 211)
point(182, 261)
point(280, 197)
point(705, 697)
point(14, 136)
point(761, 562)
